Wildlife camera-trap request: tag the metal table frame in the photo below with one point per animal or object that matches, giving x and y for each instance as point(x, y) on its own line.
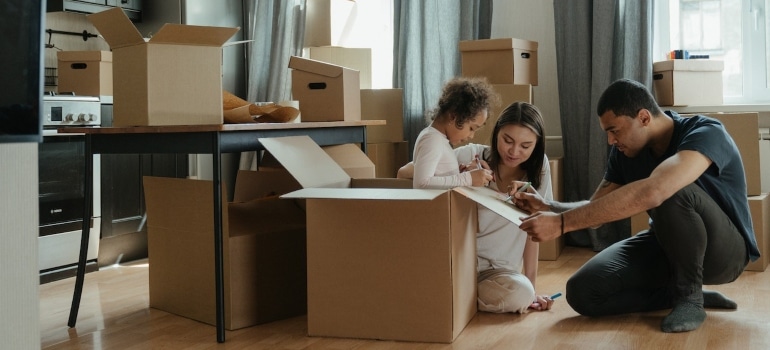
point(204, 139)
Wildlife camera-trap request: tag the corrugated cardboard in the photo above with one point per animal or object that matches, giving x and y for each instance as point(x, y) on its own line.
point(350, 158)
point(388, 157)
point(86, 73)
point(326, 92)
point(387, 105)
point(264, 253)
point(688, 82)
point(326, 21)
point(508, 94)
point(550, 250)
point(501, 61)
point(759, 206)
point(175, 78)
point(359, 59)
point(397, 264)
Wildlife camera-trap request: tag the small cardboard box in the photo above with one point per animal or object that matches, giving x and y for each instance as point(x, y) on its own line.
point(688, 82)
point(759, 206)
point(327, 21)
point(326, 92)
point(387, 105)
point(508, 93)
point(388, 157)
point(264, 251)
point(86, 73)
point(550, 250)
point(395, 264)
point(175, 78)
point(359, 59)
point(501, 61)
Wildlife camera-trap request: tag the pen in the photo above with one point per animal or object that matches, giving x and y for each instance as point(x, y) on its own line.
point(521, 189)
point(478, 162)
point(553, 297)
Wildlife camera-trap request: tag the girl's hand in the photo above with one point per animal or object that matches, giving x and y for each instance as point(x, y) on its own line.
point(542, 303)
point(481, 177)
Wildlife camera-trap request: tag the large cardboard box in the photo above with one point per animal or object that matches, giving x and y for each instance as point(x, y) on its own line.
point(347, 156)
point(86, 73)
point(387, 105)
point(388, 157)
point(326, 21)
point(688, 82)
point(759, 207)
point(359, 59)
point(395, 264)
point(264, 251)
point(501, 61)
point(326, 92)
point(508, 93)
point(550, 250)
point(174, 78)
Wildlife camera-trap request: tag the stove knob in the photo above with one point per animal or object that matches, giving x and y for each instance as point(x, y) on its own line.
point(91, 117)
point(68, 117)
point(81, 117)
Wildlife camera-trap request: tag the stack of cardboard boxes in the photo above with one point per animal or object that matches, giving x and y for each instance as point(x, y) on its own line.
point(510, 65)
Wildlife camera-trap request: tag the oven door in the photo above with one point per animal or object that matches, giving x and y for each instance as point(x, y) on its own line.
point(61, 190)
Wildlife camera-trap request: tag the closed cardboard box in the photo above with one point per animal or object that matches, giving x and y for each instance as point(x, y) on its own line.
point(264, 252)
point(369, 274)
point(388, 157)
point(387, 105)
point(508, 94)
point(174, 78)
point(326, 92)
point(501, 61)
point(85, 73)
point(326, 21)
point(359, 59)
point(550, 250)
point(760, 217)
point(688, 82)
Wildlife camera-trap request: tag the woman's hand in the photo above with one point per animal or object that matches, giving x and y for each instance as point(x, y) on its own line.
point(528, 199)
point(542, 303)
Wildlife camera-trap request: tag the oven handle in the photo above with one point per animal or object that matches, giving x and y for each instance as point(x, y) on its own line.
point(54, 132)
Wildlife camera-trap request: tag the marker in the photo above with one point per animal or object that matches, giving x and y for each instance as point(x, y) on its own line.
point(478, 162)
point(553, 297)
point(523, 188)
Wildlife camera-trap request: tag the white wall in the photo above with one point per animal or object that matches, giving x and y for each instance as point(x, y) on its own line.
point(533, 20)
point(19, 304)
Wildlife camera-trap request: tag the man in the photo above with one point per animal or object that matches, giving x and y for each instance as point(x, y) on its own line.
point(688, 175)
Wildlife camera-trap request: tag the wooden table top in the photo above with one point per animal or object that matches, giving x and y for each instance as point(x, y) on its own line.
point(213, 127)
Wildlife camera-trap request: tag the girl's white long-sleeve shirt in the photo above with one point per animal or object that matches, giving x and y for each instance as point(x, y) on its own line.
point(435, 163)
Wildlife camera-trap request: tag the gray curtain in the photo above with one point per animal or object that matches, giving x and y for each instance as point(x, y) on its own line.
point(277, 28)
point(426, 50)
point(597, 42)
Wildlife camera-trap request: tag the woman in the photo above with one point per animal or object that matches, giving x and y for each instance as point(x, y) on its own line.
point(506, 259)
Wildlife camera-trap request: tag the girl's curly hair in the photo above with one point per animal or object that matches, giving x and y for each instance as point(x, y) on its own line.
point(463, 98)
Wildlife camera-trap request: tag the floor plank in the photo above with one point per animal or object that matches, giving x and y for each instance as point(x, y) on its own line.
point(115, 314)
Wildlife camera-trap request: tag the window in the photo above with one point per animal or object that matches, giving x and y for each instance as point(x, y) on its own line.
point(734, 31)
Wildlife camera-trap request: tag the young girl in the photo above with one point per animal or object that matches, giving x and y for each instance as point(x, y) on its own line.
point(462, 109)
point(507, 260)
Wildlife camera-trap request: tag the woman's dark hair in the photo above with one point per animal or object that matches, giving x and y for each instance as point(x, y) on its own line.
point(464, 98)
point(625, 97)
point(526, 115)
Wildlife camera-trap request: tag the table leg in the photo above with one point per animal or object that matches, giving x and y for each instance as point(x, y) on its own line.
point(218, 239)
point(87, 203)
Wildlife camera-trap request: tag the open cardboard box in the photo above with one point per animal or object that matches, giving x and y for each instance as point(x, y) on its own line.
point(383, 263)
point(263, 245)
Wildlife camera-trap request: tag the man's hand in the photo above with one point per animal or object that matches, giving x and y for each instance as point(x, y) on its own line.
point(542, 226)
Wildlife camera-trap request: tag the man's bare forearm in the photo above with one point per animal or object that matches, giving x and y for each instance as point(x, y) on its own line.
point(560, 207)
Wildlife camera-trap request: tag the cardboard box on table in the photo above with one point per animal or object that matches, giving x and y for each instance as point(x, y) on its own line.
point(395, 264)
point(508, 94)
point(85, 73)
point(688, 82)
point(326, 92)
point(501, 61)
point(387, 105)
point(174, 78)
point(359, 59)
point(264, 249)
point(551, 250)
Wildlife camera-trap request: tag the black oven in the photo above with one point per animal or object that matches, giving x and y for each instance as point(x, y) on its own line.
point(61, 188)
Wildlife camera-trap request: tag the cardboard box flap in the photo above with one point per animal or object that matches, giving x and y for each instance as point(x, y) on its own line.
point(697, 65)
point(306, 161)
point(116, 28)
point(193, 35)
point(492, 200)
point(497, 44)
point(84, 56)
point(366, 193)
point(316, 67)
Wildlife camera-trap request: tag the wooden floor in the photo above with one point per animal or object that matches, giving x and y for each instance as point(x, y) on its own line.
point(114, 314)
